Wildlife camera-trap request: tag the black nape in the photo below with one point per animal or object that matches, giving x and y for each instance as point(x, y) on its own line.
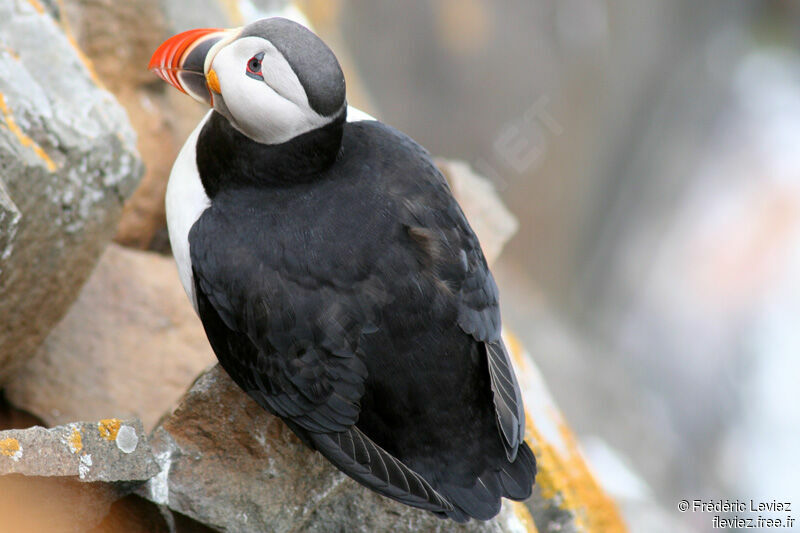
point(228, 158)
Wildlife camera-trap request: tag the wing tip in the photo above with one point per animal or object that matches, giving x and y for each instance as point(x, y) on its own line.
point(330, 445)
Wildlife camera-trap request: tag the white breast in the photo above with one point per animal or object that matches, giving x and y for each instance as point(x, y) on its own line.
point(186, 200)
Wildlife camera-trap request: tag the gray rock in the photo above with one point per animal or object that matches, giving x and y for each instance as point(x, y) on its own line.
point(110, 450)
point(130, 346)
point(229, 464)
point(76, 472)
point(68, 162)
point(9, 222)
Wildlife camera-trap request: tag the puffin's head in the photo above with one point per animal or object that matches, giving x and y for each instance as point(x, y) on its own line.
point(272, 79)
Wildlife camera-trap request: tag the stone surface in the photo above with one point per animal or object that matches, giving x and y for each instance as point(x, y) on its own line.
point(9, 223)
point(110, 450)
point(133, 514)
point(567, 496)
point(119, 41)
point(68, 162)
point(492, 222)
point(77, 472)
point(130, 346)
point(229, 464)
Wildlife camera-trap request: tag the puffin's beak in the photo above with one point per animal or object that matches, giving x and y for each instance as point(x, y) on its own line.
point(184, 61)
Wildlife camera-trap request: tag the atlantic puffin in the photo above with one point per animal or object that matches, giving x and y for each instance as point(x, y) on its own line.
point(336, 277)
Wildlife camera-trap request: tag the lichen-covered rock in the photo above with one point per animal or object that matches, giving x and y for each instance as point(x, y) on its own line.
point(229, 464)
point(567, 496)
point(119, 40)
point(66, 479)
point(130, 346)
point(68, 160)
point(110, 450)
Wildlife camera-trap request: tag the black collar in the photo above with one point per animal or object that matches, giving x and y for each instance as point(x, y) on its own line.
point(227, 158)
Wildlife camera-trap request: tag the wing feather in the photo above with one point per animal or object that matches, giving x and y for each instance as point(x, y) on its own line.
point(359, 457)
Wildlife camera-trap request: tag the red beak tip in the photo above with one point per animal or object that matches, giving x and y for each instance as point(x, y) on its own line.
point(167, 59)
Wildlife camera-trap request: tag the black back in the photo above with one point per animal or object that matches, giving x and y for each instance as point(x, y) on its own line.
point(355, 303)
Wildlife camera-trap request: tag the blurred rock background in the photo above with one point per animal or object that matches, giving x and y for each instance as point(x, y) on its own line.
point(649, 152)
point(646, 150)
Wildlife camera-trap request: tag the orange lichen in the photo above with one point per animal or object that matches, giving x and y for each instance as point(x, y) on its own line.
point(524, 515)
point(109, 428)
point(566, 476)
point(75, 441)
point(37, 6)
point(13, 53)
point(9, 447)
point(563, 475)
point(24, 140)
point(65, 26)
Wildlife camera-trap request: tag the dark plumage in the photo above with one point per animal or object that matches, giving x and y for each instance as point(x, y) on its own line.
point(347, 294)
point(336, 277)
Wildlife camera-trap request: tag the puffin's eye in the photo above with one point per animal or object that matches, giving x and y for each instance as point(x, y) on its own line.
point(254, 66)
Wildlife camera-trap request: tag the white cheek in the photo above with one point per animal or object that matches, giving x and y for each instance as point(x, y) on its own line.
point(257, 110)
point(270, 112)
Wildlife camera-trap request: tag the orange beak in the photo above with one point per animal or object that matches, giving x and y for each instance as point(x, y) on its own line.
point(181, 61)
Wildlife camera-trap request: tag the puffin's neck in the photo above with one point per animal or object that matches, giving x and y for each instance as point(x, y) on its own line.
point(227, 158)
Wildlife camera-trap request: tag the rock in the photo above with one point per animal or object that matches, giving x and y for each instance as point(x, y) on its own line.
point(69, 161)
point(119, 41)
point(110, 450)
point(9, 223)
point(229, 464)
point(130, 346)
point(567, 496)
point(76, 472)
point(492, 222)
point(362, 511)
point(133, 514)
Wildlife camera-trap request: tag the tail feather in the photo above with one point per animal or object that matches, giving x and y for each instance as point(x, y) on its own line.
point(517, 479)
point(482, 501)
point(360, 458)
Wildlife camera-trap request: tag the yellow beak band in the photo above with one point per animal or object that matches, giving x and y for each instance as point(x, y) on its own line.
point(212, 81)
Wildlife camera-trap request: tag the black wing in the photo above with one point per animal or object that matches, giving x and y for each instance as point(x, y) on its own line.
point(369, 464)
point(479, 315)
point(294, 347)
point(453, 254)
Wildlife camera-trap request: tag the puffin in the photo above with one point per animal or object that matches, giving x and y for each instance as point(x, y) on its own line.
point(336, 277)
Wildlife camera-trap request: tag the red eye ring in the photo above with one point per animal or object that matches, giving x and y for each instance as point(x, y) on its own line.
point(254, 66)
